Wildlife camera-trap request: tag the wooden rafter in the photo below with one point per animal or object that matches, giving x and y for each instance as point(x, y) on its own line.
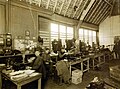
point(98, 8)
point(94, 10)
point(107, 14)
point(82, 8)
point(102, 15)
point(87, 10)
point(55, 6)
point(73, 6)
point(77, 9)
point(112, 7)
point(98, 13)
point(91, 8)
point(108, 3)
point(47, 4)
point(39, 3)
point(74, 3)
point(67, 7)
point(62, 6)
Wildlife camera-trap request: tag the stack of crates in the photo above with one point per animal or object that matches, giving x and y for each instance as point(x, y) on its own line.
point(115, 72)
point(77, 76)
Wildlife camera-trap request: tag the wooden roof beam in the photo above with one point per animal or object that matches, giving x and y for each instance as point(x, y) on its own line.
point(62, 6)
point(102, 13)
point(39, 3)
point(74, 3)
point(107, 14)
point(87, 15)
point(81, 21)
point(103, 16)
point(55, 6)
point(108, 3)
point(82, 8)
point(87, 10)
point(94, 10)
point(67, 7)
point(48, 4)
point(77, 9)
point(97, 15)
point(112, 7)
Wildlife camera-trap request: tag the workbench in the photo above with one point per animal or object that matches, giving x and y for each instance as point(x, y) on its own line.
point(21, 82)
point(82, 62)
point(97, 59)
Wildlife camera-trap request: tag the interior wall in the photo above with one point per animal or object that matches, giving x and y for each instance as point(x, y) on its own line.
point(21, 20)
point(2, 19)
point(25, 17)
point(109, 29)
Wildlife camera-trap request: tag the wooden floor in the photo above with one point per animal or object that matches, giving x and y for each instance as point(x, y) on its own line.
point(101, 73)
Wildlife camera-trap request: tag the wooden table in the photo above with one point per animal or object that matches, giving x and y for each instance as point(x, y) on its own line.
point(24, 81)
point(81, 62)
point(97, 59)
point(2, 66)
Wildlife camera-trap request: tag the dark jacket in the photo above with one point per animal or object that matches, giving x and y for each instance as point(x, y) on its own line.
point(61, 55)
point(63, 70)
point(39, 66)
point(116, 47)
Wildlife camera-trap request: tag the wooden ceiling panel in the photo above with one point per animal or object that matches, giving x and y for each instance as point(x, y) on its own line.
point(105, 15)
point(67, 7)
point(88, 16)
point(99, 12)
point(83, 8)
point(62, 6)
point(75, 9)
point(102, 14)
point(96, 13)
point(55, 6)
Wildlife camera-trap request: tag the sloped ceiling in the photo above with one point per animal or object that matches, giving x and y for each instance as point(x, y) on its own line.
point(89, 11)
point(116, 8)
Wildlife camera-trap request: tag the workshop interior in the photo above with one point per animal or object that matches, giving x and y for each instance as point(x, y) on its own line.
point(59, 44)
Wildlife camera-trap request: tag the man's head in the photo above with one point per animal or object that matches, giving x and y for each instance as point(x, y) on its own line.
point(62, 49)
point(47, 50)
point(37, 53)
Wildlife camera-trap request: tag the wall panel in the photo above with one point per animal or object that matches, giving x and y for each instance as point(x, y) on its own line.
point(23, 19)
point(108, 30)
point(2, 19)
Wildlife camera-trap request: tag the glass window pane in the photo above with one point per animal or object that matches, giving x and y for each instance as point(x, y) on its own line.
point(63, 34)
point(86, 36)
point(81, 34)
point(62, 29)
point(94, 36)
point(54, 27)
point(85, 32)
point(90, 37)
point(90, 33)
point(54, 31)
point(69, 32)
point(94, 33)
point(81, 31)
